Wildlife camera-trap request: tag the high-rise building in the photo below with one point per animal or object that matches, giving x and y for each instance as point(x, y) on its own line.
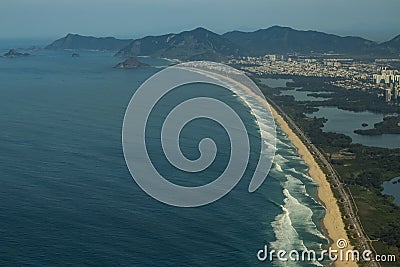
point(388, 94)
point(386, 76)
point(270, 57)
point(396, 91)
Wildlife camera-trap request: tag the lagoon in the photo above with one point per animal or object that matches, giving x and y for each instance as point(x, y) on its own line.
point(275, 83)
point(392, 188)
point(345, 122)
point(302, 95)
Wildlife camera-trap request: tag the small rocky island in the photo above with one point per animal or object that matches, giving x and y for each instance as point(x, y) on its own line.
point(14, 53)
point(131, 63)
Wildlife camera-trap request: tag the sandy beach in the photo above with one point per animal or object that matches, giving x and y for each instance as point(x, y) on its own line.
point(332, 223)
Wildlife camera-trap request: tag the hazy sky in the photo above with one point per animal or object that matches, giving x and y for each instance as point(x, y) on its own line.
point(374, 19)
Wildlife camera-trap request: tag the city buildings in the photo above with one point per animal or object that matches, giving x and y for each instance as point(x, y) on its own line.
point(345, 72)
point(389, 80)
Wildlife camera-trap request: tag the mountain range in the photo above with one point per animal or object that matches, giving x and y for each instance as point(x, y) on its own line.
point(282, 40)
point(195, 45)
point(202, 44)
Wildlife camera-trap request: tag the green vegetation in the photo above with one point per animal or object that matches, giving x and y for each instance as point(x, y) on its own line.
point(362, 168)
point(389, 125)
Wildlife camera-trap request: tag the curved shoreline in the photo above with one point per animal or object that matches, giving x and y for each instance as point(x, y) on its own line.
point(332, 222)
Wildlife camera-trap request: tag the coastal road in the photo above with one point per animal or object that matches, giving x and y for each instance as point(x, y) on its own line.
point(346, 200)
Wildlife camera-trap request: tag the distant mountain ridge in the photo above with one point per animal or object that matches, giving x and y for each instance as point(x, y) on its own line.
point(79, 42)
point(393, 45)
point(195, 45)
point(202, 44)
point(282, 40)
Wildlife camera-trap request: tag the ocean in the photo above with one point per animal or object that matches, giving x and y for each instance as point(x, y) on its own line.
point(67, 197)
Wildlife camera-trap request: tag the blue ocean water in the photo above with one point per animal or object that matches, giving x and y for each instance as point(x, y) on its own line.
point(67, 198)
